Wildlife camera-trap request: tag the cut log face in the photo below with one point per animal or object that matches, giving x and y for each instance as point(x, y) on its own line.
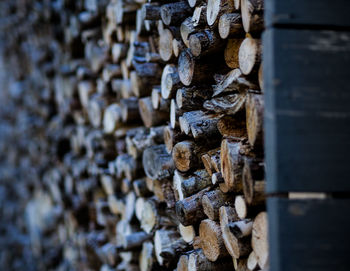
point(252, 15)
point(211, 240)
point(216, 8)
point(249, 55)
point(230, 25)
point(260, 241)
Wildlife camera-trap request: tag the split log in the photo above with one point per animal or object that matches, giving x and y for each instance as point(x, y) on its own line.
point(230, 25)
point(212, 242)
point(252, 15)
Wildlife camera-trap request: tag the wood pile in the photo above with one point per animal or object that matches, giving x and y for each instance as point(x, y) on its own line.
point(146, 132)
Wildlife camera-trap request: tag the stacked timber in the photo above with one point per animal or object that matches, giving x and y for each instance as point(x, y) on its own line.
point(148, 144)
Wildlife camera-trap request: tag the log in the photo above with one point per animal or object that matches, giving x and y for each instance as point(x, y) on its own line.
point(151, 11)
point(135, 240)
point(189, 211)
point(186, 186)
point(252, 15)
point(157, 163)
point(175, 112)
point(178, 46)
point(166, 43)
point(199, 124)
point(171, 84)
point(254, 115)
point(174, 13)
point(187, 233)
point(231, 53)
point(216, 8)
point(168, 69)
point(171, 138)
point(213, 200)
point(168, 245)
point(211, 240)
point(112, 118)
point(198, 261)
point(186, 29)
point(252, 262)
point(217, 178)
point(260, 241)
point(229, 104)
point(147, 258)
point(149, 115)
point(192, 71)
point(130, 110)
point(182, 264)
point(204, 42)
point(186, 155)
point(253, 182)
point(237, 247)
point(249, 56)
point(232, 163)
point(211, 161)
point(191, 98)
point(230, 25)
point(232, 126)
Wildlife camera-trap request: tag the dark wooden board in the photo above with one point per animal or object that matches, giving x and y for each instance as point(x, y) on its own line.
point(309, 235)
point(307, 110)
point(308, 12)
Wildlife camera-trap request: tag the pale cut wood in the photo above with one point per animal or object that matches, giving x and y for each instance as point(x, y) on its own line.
point(171, 84)
point(175, 112)
point(227, 214)
point(187, 233)
point(182, 264)
point(211, 240)
point(230, 25)
point(260, 239)
point(194, 3)
point(172, 137)
point(199, 17)
point(241, 207)
point(85, 89)
point(111, 118)
point(229, 104)
point(168, 69)
point(147, 260)
point(252, 15)
point(166, 45)
point(178, 46)
point(255, 119)
point(217, 178)
point(250, 55)
point(216, 8)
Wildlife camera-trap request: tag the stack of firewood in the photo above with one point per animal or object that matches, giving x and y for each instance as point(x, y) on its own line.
point(152, 134)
